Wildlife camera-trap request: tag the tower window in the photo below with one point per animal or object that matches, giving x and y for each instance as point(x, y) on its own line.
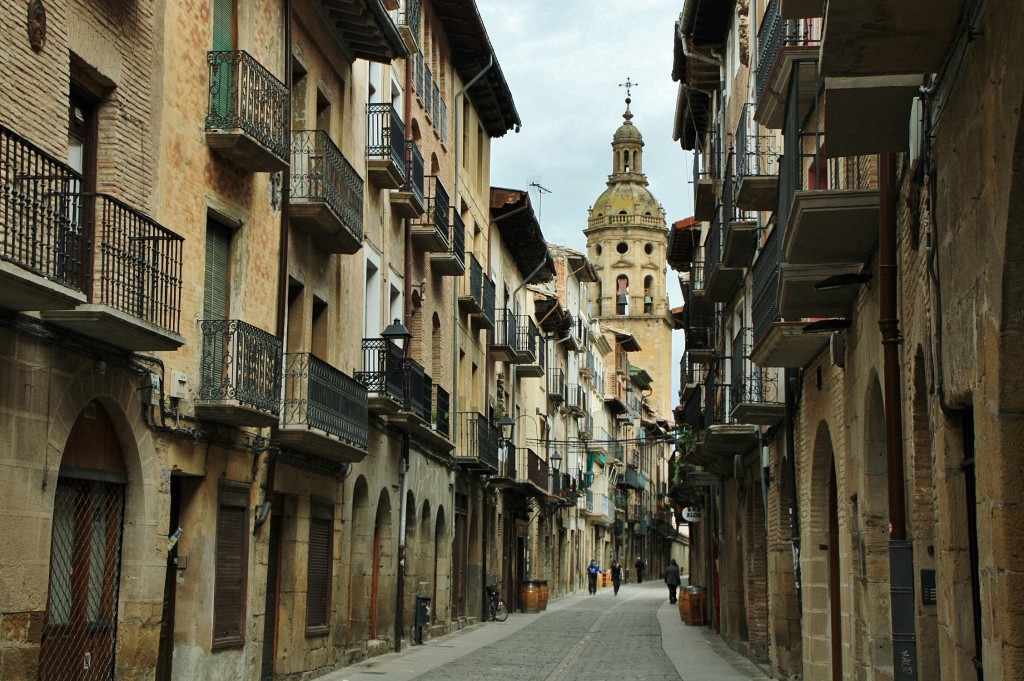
point(622, 247)
point(649, 248)
point(622, 295)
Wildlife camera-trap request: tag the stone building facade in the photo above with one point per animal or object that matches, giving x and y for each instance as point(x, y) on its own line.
point(854, 144)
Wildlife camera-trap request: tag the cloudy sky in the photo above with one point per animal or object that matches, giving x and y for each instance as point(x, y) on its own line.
point(564, 61)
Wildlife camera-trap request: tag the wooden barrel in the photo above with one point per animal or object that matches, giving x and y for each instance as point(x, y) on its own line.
point(543, 595)
point(529, 596)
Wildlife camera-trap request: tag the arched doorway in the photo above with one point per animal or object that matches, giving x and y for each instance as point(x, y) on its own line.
point(380, 563)
point(358, 588)
point(80, 623)
point(822, 620)
point(440, 556)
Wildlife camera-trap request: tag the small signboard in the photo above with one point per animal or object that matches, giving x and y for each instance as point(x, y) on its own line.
point(692, 515)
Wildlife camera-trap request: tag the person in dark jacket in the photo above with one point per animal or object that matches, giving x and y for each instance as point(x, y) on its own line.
point(672, 579)
point(639, 565)
point(616, 576)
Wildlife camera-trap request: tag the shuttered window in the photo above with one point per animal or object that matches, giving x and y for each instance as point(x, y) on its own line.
point(318, 579)
point(223, 24)
point(231, 565)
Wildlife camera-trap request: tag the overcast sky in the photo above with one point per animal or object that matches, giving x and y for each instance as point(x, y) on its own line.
point(564, 61)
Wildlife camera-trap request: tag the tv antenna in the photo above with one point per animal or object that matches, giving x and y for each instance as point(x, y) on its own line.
point(541, 191)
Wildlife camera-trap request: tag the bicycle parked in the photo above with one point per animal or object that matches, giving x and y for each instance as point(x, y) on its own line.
point(497, 609)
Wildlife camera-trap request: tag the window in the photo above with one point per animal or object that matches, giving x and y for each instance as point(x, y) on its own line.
point(318, 576)
point(622, 248)
point(622, 295)
point(230, 575)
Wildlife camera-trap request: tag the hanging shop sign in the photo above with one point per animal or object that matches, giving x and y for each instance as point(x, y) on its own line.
point(692, 515)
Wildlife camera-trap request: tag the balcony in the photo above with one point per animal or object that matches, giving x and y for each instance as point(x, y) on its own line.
point(533, 471)
point(705, 176)
point(486, 318)
point(615, 395)
point(476, 443)
point(599, 507)
point(741, 232)
point(692, 376)
point(799, 9)
point(471, 288)
point(452, 262)
point(247, 119)
point(788, 53)
point(757, 399)
point(407, 18)
point(879, 38)
point(132, 276)
point(585, 426)
point(576, 399)
point(408, 201)
point(532, 360)
point(777, 343)
point(240, 374)
point(383, 376)
point(556, 386)
point(587, 365)
point(507, 341)
point(385, 146)
point(41, 239)
point(326, 194)
point(324, 411)
point(365, 29)
point(579, 334)
point(723, 281)
point(423, 408)
point(724, 435)
point(431, 233)
point(757, 165)
point(632, 479)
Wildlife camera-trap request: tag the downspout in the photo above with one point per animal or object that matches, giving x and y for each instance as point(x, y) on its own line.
point(404, 472)
point(901, 554)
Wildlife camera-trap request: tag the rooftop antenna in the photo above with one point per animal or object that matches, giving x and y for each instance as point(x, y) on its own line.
point(535, 183)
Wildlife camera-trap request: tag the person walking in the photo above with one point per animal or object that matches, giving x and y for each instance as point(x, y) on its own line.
point(616, 576)
point(672, 579)
point(639, 565)
point(592, 572)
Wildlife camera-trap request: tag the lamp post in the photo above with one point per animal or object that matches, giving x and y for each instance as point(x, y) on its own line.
point(397, 333)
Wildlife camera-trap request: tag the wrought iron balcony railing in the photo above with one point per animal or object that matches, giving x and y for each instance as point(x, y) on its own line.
point(476, 444)
point(757, 154)
point(240, 363)
point(576, 398)
point(719, 401)
point(407, 19)
point(440, 416)
point(320, 173)
point(506, 330)
point(489, 297)
point(751, 383)
point(535, 469)
point(40, 212)
point(245, 96)
point(556, 385)
point(419, 389)
point(382, 369)
point(775, 34)
point(713, 247)
point(458, 239)
point(385, 138)
point(765, 304)
point(471, 288)
point(438, 209)
point(317, 395)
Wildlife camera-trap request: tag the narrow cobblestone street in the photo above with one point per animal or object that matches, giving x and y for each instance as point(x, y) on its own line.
point(636, 635)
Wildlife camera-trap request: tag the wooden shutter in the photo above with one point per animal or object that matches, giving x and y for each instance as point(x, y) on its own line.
point(231, 565)
point(318, 578)
point(215, 288)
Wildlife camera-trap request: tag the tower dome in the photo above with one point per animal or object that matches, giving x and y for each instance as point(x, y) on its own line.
point(626, 197)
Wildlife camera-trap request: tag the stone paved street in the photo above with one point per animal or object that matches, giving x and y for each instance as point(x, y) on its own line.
point(635, 636)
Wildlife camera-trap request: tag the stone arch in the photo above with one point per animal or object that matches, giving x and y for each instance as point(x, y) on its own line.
point(382, 566)
point(411, 539)
point(359, 578)
point(436, 347)
point(822, 624)
point(442, 551)
point(145, 509)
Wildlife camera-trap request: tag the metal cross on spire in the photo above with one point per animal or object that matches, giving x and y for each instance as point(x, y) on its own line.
point(629, 84)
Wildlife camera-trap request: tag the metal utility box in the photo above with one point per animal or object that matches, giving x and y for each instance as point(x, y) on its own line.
point(422, 611)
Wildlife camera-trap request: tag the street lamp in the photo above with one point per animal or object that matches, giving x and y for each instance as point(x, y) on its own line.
point(397, 333)
point(507, 424)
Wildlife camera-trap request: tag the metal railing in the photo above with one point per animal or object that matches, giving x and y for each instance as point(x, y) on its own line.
point(535, 470)
point(530, 335)
point(40, 212)
point(690, 372)
point(765, 305)
point(576, 398)
point(385, 135)
point(408, 16)
point(506, 329)
point(419, 71)
point(719, 401)
point(706, 163)
point(419, 389)
point(757, 155)
point(489, 297)
point(140, 262)
point(458, 237)
point(585, 426)
point(415, 181)
point(441, 417)
point(428, 84)
point(320, 396)
point(245, 96)
point(714, 245)
point(777, 33)
point(477, 438)
point(240, 363)
point(382, 368)
point(473, 281)
point(321, 173)
point(438, 207)
point(751, 383)
point(508, 465)
point(556, 385)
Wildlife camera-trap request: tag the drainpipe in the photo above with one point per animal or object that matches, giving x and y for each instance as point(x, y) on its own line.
point(901, 556)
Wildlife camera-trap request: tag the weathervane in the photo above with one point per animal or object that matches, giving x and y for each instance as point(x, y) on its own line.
point(629, 84)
